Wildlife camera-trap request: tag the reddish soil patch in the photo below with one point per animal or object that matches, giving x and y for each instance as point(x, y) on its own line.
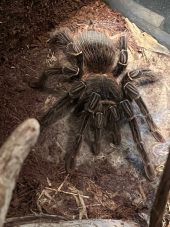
point(24, 27)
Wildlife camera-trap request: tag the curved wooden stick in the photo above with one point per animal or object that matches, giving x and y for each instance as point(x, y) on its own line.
point(161, 197)
point(12, 155)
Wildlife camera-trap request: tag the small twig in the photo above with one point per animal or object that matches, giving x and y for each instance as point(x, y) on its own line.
point(44, 192)
point(48, 182)
point(161, 197)
point(41, 194)
point(69, 193)
point(142, 192)
point(93, 205)
point(61, 185)
point(62, 150)
point(80, 202)
point(144, 54)
point(82, 209)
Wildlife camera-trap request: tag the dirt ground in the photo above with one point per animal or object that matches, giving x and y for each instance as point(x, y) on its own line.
point(97, 189)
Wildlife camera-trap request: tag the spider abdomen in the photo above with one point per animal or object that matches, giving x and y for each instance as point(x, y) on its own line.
point(98, 51)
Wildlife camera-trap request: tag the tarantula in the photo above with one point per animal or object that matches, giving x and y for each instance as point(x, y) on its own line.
point(97, 93)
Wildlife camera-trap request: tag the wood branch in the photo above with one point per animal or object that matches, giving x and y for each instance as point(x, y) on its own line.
point(12, 155)
point(161, 197)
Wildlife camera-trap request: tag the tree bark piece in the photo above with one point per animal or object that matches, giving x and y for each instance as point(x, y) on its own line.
point(161, 197)
point(12, 155)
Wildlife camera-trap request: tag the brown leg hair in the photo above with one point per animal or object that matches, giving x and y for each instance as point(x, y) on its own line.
point(133, 94)
point(128, 109)
point(98, 128)
point(123, 57)
point(115, 124)
point(53, 114)
point(90, 107)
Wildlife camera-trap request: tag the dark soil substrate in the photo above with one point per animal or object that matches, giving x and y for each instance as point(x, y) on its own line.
point(25, 26)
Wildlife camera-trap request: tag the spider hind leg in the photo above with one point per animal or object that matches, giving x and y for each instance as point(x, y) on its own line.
point(65, 102)
point(149, 170)
point(133, 94)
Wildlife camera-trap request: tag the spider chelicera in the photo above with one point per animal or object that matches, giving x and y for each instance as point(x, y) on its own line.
point(97, 95)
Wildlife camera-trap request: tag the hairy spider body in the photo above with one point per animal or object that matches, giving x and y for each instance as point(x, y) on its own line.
point(97, 96)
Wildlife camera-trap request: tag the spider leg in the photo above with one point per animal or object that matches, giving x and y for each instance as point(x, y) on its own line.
point(75, 71)
point(115, 124)
point(64, 41)
point(132, 93)
point(72, 52)
point(123, 57)
point(67, 73)
point(61, 39)
point(98, 127)
point(89, 109)
point(66, 101)
point(127, 107)
point(140, 77)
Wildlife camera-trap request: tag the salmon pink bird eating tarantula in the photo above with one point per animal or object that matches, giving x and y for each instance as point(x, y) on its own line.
point(97, 95)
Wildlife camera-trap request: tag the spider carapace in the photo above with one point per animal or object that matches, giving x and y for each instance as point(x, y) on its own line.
point(96, 94)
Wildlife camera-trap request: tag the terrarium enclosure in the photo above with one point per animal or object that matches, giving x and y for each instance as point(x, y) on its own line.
point(111, 186)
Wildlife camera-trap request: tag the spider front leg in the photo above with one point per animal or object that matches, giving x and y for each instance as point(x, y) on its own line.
point(128, 109)
point(123, 57)
point(133, 94)
point(54, 113)
point(60, 39)
point(67, 73)
point(90, 107)
point(77, 55)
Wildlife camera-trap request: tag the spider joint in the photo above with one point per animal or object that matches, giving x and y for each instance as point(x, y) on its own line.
point(131, 91)
point(71, 71)
point(131, 118)
point(77, 90)
point(71, 49)
point(120, 63)
point(114, 113)
point(129, 77)
point(93, 102)
point(126, 85)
